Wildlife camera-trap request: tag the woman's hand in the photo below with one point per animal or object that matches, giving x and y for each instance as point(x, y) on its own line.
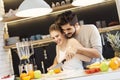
point(51, 67)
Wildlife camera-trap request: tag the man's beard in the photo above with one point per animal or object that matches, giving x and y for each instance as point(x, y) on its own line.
point(67, 35)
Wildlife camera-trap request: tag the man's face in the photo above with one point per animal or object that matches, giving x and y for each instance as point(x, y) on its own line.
point(68, 30)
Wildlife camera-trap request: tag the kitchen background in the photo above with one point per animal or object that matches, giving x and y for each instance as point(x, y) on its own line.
point(25, 28)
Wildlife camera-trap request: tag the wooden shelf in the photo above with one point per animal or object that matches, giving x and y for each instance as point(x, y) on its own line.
point(49, 40)
point(35, 43)
point(108, 29)
point(55, 9)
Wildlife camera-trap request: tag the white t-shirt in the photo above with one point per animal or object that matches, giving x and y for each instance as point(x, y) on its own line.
point(89, 37)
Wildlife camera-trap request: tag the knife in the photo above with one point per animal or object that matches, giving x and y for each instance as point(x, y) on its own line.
point(58, 65)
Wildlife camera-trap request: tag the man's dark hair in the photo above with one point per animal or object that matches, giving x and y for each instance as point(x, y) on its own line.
point(66, 17)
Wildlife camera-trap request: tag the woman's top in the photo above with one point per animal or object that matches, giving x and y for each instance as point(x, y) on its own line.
point(71, 64)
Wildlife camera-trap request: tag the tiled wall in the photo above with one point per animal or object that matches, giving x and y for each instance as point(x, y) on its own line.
point(5, 56)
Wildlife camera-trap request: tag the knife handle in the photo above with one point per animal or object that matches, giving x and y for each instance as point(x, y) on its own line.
point(63, 61)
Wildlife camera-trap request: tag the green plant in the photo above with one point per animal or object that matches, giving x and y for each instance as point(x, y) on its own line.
point(114, 40)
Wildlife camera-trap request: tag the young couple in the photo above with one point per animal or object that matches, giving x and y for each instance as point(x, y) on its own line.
point(80, 45)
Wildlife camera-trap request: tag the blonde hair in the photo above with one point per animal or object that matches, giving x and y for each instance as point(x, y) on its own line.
point(54, 27)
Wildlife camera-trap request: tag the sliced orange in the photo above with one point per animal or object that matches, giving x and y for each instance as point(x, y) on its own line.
point(57, 70)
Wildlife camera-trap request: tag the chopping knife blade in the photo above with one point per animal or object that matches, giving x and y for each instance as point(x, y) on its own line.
point(58, 65)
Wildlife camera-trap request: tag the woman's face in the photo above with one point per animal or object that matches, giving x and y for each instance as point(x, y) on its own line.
point(57, 36)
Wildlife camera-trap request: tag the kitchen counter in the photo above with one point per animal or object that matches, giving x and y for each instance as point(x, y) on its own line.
point(114, 75)
point(78, 75)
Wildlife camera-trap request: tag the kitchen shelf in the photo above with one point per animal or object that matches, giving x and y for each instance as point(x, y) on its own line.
point(34, 43)
point(55, 9)
point(108, 29)
point(49, 40)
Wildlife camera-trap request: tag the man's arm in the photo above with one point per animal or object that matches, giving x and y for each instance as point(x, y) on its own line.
point(95, 48)
point(90, 52)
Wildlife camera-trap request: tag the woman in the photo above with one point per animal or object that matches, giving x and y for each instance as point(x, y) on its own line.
point(64, 45)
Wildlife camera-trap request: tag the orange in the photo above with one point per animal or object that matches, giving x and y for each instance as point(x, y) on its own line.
point(26, 78)
point(117, 59)
point(31, 74)
point(113, 64)
point(22, 75)
point(57, 70)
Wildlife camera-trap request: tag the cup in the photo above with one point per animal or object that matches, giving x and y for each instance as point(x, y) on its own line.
point(103, 23)
point(81, 22)
point(98, 24)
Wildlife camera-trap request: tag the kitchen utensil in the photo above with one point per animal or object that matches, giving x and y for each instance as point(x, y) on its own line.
point(13, 40)
point(58, 65)
point(25, 50)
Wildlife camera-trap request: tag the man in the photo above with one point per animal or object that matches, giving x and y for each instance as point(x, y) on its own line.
point(87, 35)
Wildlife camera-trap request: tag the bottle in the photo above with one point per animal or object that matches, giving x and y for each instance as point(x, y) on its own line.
point(43, 67)
point(34, 64)
point(53, 4)
point(5, 35)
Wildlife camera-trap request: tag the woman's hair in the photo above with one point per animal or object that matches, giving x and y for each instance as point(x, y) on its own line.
point(54, 27)
point(67, 17)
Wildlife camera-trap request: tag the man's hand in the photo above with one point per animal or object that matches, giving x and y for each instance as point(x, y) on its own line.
point(70, 52)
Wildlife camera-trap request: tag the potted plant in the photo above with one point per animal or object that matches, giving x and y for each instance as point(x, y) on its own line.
point(114, 40)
